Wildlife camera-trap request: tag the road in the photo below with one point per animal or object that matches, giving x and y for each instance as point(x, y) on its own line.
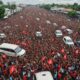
point(21, 27)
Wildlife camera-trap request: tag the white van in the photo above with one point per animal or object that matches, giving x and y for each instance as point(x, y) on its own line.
point(43, 75)
point(11, 49)
point(68, 41)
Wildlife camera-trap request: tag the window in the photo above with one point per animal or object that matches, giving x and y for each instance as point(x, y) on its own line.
point(64, 39)
point(58, 32)
point(69, 40)
point(18, 49)
point(10, 50)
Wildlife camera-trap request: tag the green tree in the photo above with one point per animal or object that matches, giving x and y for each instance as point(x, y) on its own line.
point(47, 6)
point(78, 8)
point(12, 7)
point(75, 6)
point(52, 5)
point(72, 14)
point(1, 3)
point(2, 12)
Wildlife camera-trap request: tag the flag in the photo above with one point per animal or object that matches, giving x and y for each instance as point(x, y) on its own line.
point(23, 43)
point(65, 57)
point(62, 50)
point(50, 61)
point(77, 51)
point(43, 58)
point(12, 69)
point(4, 56)
point(53, 52)
point(24, 32)
point(17, 41)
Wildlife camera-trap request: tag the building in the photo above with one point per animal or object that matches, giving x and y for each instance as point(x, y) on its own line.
point(61, 9)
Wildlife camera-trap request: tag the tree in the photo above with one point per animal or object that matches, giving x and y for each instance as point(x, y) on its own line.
point(52, 5)
point(72, 14)
point(75, 6)
point(78, 8)
point(1, 3)
point(47, 6)
point(2, 12)
point(12, 7)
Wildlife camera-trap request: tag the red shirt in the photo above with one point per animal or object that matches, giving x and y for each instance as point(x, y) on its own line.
point(59, 76)
point(25, 77)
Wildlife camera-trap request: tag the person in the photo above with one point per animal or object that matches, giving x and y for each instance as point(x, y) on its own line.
point(29, 75)
point(78, 77)
point(25, 77)
point(11, 78)
point(55, 75)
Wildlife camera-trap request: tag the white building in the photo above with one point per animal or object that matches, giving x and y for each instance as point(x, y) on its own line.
point(57, 8)
point(18, 9)
point(7, 11)
point(61, 9)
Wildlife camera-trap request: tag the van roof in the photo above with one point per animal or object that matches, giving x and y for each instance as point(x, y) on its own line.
point(58, 31)
point(38, 32)
point(44, 75)
point(8, 46)
point(67, 37)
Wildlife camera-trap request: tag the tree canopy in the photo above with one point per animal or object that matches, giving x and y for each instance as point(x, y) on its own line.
point(75, 6)
point(1, 3)
point(2, 12)
point(72, 14)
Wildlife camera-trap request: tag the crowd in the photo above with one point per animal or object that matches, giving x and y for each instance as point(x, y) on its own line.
point(44, 53)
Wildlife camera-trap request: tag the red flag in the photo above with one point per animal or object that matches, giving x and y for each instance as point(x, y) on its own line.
point(65, 57)
point(43, 58)
point(50, 61)
point(24, 32)
point(62, 50)
point(23, 43)
point(77, 51)
point(17, 41)
point(53, 52)
point(4, 56)
point(12, 69)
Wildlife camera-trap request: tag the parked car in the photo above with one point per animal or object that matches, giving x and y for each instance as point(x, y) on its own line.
point(58, 33)
point(69, 31)
point(11, 49)
point(77, 43)
point(2, 35)
point(43, 75)
point(68, 41)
